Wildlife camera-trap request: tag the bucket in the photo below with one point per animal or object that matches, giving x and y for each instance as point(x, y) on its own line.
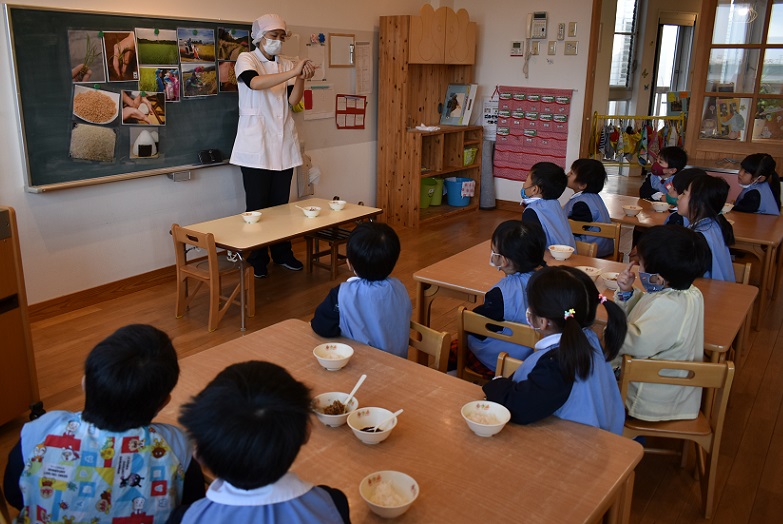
point(427, 190)
point(454, 192)
point(437, 195)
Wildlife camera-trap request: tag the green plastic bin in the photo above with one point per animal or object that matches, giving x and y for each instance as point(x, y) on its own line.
point(427, 190)
point(437, 195)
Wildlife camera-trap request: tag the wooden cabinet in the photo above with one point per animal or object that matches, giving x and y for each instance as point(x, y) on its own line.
point(413, 79)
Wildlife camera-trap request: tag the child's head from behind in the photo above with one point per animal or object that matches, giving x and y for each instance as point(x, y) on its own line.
point(680, 255)
point(128, 377)
point(373, 249)
point(546, 180)
point(587, 175)
point(704, 197)
point(684, 179)
point(522, 245)
point(249, 423)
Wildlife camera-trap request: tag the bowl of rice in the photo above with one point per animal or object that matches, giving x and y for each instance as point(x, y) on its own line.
point(660, 207)
point(590, 271)
point(632, 211)
point(363, 420)
point(561, 251)
point(330, 408)
point(333, 355)
point(610, 279)
point(95, 105)
point(485, 418)
point(388, 494)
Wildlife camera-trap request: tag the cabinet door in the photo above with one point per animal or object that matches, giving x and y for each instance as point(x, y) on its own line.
point(427, 36)
point(460, 38)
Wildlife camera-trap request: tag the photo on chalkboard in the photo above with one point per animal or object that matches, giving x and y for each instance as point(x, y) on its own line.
point(141, 108)
point(85, 50)
point(144, 143)
point(199, 80)
point(157, 46)
point(196, 44)
point(120, 47)
point(160, 79)
point(94, 143)
point(232, 42)
point(95, 106)
point(227, 77)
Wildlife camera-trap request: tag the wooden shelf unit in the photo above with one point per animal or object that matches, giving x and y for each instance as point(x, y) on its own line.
point(409, 94)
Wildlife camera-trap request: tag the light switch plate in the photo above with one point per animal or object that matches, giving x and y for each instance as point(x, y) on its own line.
point(571, 29)
point(561, 31)
point(552, 48)
point(571, 47)
point(534, 48)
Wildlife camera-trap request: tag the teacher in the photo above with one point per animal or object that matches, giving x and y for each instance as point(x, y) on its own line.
point(267, 145)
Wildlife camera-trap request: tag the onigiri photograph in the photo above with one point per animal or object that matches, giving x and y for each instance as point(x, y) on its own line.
point(87, 59)
point(157, 46)
point(144, 142)
point(196, 44)
point(231, 42)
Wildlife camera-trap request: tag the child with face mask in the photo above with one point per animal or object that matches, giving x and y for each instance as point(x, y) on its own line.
point(659, 182)
point(760, 185)
point(666, 320)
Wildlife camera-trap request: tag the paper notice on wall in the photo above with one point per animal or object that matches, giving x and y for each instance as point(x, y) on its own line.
point(322, 97)
point(316, 54)
point(489, 117)
point(363, 57)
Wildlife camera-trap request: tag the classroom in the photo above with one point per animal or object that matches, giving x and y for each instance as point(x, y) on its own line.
point(100, 256)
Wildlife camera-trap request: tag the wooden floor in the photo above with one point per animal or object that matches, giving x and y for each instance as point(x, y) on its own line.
point(750, 485)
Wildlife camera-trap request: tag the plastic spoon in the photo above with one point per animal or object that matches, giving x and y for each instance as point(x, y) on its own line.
point(385, 421)
point(353, 392)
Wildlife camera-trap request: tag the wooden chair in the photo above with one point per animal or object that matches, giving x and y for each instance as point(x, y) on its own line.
point(5, 517)
point(334, 237)
point(211, 271)
point(473, 323)
point(742, 272)
point(705, 431)
point(429, 347)
point(586, 249)
point(506, 365)
point(611, 230)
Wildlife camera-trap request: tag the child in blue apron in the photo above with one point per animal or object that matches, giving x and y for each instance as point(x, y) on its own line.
point(543, 186)
point(760, 186)
point(586, 178)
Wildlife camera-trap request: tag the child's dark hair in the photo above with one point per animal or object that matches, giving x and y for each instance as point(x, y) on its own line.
point(675, 156)
point(523, 244)
point(590, 172)
point(550, 178)
point(128, 376)
point(552, 293)
point(373, 249)
point(685, 177)
point(678, 254)
point(249, 423)
point(761, 164)
point(707, 196)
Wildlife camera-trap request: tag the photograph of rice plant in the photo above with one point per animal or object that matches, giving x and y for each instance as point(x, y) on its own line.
point(157, 46)
point(196, 44)
point(231, 42)
point(85, 50)
point(199, 80)
point(227, 77)
point(120, 48)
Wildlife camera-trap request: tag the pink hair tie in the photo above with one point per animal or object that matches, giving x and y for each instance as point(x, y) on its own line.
point(569, 313)
point(601, 298)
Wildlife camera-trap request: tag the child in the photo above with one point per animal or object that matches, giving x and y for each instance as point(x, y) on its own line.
point(666, 322)
point(568, 375)
point(679, 185)
point(701, 203)
point(671, 160)
point(587, 178)
point(544, 185)
point(109, 461)
point(249, 424)
point(371, 308)
point(758, 196)
point(517, 251)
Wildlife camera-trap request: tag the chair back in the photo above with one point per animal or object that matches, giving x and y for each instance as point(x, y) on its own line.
point(428, 342)
point(506, 365)
point(602, 230)
point(186, 237)
point(5, 517)
point(742, 272)
point(586, 249)
point(470, 322)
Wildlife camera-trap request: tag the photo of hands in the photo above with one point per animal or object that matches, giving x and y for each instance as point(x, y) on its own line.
point(140, 108)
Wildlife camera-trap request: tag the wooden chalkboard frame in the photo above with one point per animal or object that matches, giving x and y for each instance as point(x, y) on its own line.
point(44, 90)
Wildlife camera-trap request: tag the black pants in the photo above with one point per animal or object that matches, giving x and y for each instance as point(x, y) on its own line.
point(267, 188)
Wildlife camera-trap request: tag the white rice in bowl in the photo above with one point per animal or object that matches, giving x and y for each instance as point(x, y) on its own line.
point(386, 495)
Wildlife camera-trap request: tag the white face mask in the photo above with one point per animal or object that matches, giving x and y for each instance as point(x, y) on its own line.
point(745, 186)
point(492, 256)
point(272, 47)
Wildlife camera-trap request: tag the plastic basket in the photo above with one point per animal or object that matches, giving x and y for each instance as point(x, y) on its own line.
point(437, 195)
point(454, 191)
point(427, 190)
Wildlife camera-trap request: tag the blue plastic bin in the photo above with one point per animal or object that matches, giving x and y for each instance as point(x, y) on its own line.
point(454, 191)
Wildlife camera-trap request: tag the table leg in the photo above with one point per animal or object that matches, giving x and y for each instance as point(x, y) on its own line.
point(620, 511)
point(778, 268)
point(766, 269)
point(241, 291)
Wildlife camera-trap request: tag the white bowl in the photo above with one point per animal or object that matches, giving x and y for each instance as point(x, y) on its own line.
point(337, 205)
point(327, 399)
point(560, 251)
point(728, 206)
point(660, 207)
point(388, 494)
point(592, 272)
point(632, 211)
point(369, 417)
point(251, 217)
point(333, 355)
point(610, 279)
point(485, 418)
point(311, 211)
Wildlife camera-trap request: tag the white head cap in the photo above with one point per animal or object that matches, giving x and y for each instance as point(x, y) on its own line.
point(266, 23)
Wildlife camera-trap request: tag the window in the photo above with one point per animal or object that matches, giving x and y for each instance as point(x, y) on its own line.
point(620, 75)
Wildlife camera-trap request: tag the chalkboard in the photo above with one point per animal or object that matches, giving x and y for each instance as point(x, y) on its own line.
point(40, 43)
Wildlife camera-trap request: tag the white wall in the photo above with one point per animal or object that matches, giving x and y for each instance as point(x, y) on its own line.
point(502, 21)
point(81, 238)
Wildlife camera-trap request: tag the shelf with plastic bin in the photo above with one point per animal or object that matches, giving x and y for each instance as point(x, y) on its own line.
point(444, 210)
point(449, 170)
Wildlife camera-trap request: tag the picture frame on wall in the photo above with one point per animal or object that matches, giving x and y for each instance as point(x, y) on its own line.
point(458, 104)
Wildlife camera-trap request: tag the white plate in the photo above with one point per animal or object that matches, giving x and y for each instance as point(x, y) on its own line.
point(114, 97)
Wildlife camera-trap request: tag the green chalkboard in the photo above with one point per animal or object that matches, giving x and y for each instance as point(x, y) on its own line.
point(40, 42)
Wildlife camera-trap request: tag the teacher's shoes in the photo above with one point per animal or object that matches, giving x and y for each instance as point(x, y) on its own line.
point(259, 271)
point(291, 263)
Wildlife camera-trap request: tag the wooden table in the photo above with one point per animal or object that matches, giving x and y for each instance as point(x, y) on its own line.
point(551, 471)
point(277, 224)
point(467, 276)
point(759, 234)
